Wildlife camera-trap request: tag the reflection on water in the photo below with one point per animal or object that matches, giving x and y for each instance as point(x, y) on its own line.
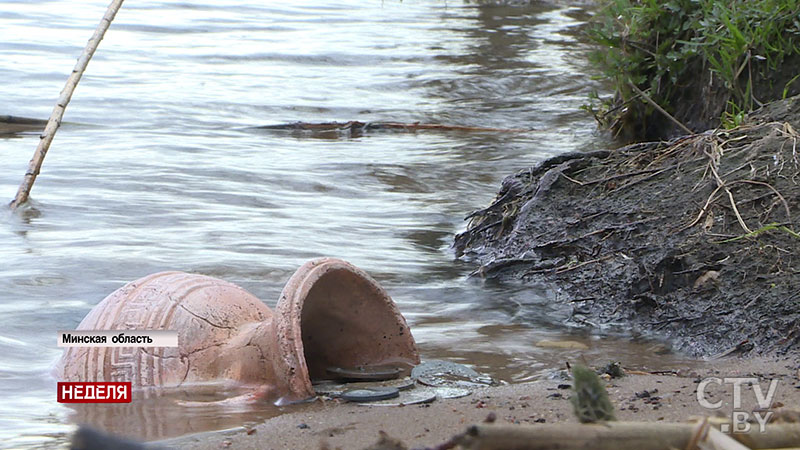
point(158, 167)
point(156, 416)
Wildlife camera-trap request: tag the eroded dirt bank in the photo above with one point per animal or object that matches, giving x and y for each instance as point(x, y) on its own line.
point(694, 239)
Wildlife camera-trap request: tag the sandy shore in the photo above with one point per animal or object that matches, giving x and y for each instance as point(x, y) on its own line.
point(638, 397)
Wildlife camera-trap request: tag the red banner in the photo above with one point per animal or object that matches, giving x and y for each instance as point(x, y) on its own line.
point(94, 392)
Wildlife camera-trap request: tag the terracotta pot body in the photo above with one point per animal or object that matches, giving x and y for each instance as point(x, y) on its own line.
point(330, 314)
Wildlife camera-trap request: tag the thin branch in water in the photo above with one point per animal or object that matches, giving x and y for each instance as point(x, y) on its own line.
point(54, 122)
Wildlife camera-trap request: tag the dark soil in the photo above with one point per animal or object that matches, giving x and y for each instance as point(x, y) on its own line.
point(641, 122)
point(694, 239)
point(701, 115)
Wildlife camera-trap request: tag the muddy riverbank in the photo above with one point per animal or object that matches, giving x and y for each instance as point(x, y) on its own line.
point(694, 239)
point(668, 397)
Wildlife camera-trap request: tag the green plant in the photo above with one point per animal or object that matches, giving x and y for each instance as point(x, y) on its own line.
point(590, 399)
point(733, 35)
point(786, 86)
point(733, 115)
point(666, 48)
point(764, 229)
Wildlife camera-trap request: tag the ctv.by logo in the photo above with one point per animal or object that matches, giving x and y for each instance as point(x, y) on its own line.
point(740, 420)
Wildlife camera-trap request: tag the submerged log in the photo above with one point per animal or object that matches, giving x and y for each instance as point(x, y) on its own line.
point(357, 127)
point(16, 124)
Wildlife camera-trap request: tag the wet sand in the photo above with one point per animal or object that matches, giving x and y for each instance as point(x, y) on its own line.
point(669, 398)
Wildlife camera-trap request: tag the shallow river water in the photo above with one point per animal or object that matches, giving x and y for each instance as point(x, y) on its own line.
point(157, 167)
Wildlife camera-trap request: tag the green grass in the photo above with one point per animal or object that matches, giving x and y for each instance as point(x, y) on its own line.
point(663, 47)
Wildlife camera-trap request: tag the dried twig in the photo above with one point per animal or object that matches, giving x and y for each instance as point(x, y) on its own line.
point(788, 131)
point(567, 268)
point(721, 183)
point(702, 210)
point(783, 200)
point(659, 108)
point(61, 105)
point(580, 183)
point(698, 434)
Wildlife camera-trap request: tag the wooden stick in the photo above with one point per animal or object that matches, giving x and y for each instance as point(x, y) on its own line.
point(61, 105)
point(716, 440)
point(614, 436)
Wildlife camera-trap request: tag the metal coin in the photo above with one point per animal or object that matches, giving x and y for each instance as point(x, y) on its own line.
point(438, 373)
point(370, 395)
point(410, 397)
point(365, 373)
point(451, 392)
point(335, 388)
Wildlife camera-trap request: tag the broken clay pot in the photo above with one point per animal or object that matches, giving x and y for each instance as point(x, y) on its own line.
point(330, 314)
